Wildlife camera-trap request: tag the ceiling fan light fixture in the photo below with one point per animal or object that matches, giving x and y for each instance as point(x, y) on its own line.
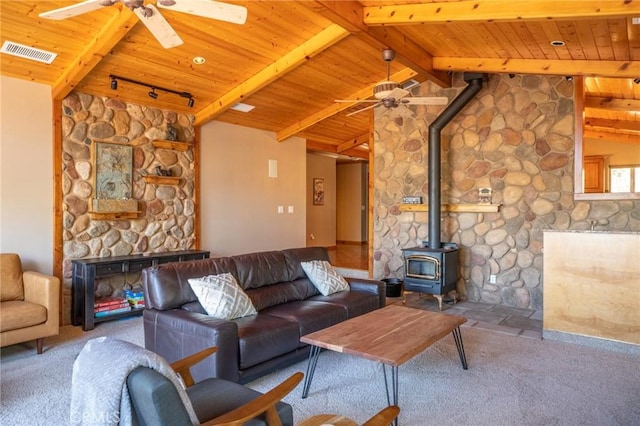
point(383, 89)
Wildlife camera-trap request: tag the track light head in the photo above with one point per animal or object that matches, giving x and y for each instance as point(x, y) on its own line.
point(114, 84)
point(511, 75)
point(636, 80)
point(191, 102)
point(153, 94)
point(569, 78)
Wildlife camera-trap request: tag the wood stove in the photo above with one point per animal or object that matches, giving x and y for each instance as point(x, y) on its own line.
point(431, 271)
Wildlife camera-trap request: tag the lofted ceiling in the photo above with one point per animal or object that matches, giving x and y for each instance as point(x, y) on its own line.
point(292, 59)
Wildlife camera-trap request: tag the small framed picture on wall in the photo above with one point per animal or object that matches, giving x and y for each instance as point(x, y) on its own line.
point(318, 191)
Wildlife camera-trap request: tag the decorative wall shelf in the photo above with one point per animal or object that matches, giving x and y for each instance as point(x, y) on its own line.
point(173, 145)
point(162, 180)
point(456, 208)
point(113, 215)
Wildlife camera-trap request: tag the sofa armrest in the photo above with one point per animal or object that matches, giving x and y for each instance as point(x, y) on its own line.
point(43, 290)
point(176, 334)
point(369, 286)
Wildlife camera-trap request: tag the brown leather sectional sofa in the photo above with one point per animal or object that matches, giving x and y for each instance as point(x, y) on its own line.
point(288, 305)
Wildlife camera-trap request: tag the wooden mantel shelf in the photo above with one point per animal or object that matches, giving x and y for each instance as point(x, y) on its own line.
point(173, 145)
point(162, 180)
point(456, 208)
point(113, 215)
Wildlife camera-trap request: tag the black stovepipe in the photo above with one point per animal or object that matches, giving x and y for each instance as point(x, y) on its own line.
point(474, 85)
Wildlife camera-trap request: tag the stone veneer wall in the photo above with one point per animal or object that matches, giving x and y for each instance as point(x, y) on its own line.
point(516, 137)
point(167, 213)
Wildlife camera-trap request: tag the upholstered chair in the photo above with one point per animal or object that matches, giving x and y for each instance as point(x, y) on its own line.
point(29, 303)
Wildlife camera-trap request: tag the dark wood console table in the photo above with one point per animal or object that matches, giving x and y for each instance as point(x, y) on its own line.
point(85, 272)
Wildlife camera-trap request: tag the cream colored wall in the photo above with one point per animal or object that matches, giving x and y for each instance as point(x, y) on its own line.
point(321, 220)
point(239, 201)
point(26, 172)
point(349, 202)
point(621, 154)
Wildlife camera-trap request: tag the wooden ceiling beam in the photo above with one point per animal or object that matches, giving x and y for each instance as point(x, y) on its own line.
point(317, 145)
point(296, 57)
point(611, 136)
point(364, 138)
point(467, 11)
point(621, 69)
point(613, 104)
point(112, 32)
point(350, 15)
point(338, 107)
point(619, 125)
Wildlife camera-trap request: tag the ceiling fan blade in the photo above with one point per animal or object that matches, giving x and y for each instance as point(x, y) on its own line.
point(364, 109)
point(398, 93)
point(72, 10)
point(436, 100)
point(159, 27)
point(356, 100)
point(208, 9)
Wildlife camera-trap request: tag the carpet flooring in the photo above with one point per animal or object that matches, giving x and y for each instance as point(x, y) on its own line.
point(511, 380)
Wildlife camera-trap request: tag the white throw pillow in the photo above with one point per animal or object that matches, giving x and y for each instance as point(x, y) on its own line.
point(324, 277)
point(222, 297)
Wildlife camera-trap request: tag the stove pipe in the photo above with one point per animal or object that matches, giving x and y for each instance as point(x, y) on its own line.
point(475, 84)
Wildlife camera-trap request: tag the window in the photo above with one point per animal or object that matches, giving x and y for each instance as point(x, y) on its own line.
point(625, 178)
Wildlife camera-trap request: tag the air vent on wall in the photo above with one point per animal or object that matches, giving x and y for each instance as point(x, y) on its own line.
point(27, 52)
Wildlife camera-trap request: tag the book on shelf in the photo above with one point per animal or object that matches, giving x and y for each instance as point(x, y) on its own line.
point(112, 312)
point(124, 304)
point(108, 301)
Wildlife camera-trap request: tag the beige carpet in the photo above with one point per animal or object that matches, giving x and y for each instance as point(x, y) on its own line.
point(511, 381)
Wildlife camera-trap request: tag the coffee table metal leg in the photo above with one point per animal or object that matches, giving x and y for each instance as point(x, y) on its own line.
point(394, 387)
point(311, 367)
point(458, 338)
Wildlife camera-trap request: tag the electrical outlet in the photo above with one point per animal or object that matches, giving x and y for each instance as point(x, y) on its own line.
point(492, 279)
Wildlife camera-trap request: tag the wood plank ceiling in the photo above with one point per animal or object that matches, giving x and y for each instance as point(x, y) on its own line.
point(292, 59)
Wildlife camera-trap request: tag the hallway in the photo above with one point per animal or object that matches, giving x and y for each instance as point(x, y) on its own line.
point(352, 256)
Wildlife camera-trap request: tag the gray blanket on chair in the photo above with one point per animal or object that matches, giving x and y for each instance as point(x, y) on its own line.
point(99, 394)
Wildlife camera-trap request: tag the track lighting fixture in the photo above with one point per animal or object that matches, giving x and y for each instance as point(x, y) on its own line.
point(511, 75)
point(569, 78)
point(153, 92)
point(636, 80)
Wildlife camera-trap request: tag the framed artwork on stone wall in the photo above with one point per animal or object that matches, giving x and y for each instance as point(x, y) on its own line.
point(113, 164)
point(318, 191)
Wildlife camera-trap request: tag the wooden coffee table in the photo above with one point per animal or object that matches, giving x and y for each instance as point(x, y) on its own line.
point(391, 335)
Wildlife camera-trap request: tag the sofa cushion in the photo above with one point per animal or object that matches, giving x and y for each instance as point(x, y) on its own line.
point(296, 256)
point(166, 286)
point(311, 316)
point(324, 277)
point(260, 269)
point(353, 302)
point(222, 297)
point(278, 294)
point(263, 337)
point(17, 314)
point(11, 287)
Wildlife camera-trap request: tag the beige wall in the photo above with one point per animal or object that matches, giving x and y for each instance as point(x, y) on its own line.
point(26, 172)
point(621, 154)
point(350, 199)
point(321, 220)
point(239, 201)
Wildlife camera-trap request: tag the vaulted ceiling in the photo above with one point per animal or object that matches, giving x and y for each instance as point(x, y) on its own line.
point(292, 59)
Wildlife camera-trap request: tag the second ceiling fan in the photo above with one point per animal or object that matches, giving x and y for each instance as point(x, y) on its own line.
point(151, 17)
point(390, 94)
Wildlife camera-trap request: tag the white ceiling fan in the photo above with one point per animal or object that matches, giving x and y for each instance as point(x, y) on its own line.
point(151, 17)
point(390, 94)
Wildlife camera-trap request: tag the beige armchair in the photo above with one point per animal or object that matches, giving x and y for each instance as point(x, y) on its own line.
point(29, 303)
